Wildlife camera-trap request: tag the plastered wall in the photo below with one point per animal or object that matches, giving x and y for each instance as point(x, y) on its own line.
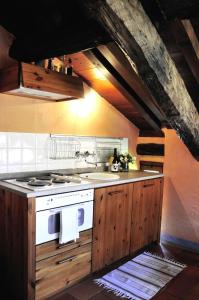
point(92, 116)
point(181, 191)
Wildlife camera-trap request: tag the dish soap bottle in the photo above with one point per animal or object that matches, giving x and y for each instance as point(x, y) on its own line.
point(115, 162)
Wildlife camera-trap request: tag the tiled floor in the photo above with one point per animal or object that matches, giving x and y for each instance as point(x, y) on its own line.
point(184, 287)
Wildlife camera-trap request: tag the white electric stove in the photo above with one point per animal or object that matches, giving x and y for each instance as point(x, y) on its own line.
point(46, 182)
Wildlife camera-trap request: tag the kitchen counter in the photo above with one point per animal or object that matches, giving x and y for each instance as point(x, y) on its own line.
point(125, 177)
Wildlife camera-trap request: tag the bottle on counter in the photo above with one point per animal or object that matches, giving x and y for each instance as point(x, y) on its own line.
point(115, 163)
point(69, 67)
point(49, 65)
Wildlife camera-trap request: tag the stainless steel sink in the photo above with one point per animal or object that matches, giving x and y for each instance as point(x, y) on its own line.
point(99, 176)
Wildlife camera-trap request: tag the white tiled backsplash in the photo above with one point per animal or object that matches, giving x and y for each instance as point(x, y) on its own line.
point(33, 152)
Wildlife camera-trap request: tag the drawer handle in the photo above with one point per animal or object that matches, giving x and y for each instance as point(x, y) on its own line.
point(115, 192)
point(149, 184)
point(65, 260)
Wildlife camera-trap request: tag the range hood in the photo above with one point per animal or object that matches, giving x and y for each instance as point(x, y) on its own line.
point(36, 82)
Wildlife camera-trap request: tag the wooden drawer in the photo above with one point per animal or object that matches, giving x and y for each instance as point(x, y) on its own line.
point(60, 271)
point(52, 248)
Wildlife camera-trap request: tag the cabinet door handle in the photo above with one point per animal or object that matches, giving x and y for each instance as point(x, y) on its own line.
point(59, 262)
point(148, 184)
point(115, 192)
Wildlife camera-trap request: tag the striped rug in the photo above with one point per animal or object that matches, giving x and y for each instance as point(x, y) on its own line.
point(142, 277)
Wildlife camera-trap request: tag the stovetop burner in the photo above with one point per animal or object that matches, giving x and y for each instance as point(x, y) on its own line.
point(25, 179)
point(60, 180)
point(39, 183)
point(44, 177)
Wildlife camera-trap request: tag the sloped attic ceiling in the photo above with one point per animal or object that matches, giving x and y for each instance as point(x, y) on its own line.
point(52, 28)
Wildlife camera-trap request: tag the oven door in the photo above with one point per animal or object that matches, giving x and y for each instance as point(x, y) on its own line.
point(48, 221)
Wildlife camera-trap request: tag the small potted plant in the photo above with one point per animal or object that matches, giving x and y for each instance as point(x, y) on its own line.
point(125, 159)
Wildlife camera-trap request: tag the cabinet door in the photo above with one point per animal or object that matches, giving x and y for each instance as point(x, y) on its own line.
point(146, 213)
point(112, 220)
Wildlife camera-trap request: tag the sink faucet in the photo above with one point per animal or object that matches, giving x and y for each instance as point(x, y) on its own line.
point(91, 163)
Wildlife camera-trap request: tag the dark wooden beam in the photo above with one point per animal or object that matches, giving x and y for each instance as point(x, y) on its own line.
point(117, 59)
point(37, 46)
point(130, 27)
point(150, 149)
point(182, 9)
point(180, 31)
point(151, 133)
point(96, 57)
point(189, 28)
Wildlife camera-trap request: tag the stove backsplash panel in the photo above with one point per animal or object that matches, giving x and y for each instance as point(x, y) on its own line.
point(21, 152)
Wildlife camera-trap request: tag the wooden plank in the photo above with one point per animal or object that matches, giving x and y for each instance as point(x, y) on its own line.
point(40, 79)
point(136, 219)
point(146, 213)
point(61, 271)
point(150, 149)
point(151, 133)
point(111, 223)
point(131, 28)
point(161, 189)
point(9, 78)
point(18, 235)
point(96, 78)
point(151, 165)
point(43, 79)
point(120, 62)
point(183, 9)
point(65, 39)
point(52, 248)
point(99, 230)
point(112, 220)
point(119, 82)
point(181, 30)
point(192, 35)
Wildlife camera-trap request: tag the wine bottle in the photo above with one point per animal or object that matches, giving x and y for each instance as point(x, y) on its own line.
point(115, 162)
point(69, 68)
point(49, 66)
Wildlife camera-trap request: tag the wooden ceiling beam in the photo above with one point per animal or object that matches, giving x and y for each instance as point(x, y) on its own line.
point(192, 35)
point(121, 64)
point(182, 9)
point(115, 78)
point(185, 39)
point(130, 27)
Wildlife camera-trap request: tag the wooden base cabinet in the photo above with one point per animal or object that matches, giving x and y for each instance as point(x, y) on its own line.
point(112, 223)
point(126, 218)
point(60, 266)
point(29, 272)
point(146, 213)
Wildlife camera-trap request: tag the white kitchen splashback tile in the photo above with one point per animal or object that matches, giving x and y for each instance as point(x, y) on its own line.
point(31, 152)
point(28, 156)
point(28, 140)
point(14, 140)
point(3, 157)
point(41, 155)
point(14, 157)
point(3, 169)
point(3, 139)
point(42, 140)
point(14, 168)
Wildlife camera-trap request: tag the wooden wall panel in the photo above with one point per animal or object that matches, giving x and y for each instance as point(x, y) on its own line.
point(17, 245)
